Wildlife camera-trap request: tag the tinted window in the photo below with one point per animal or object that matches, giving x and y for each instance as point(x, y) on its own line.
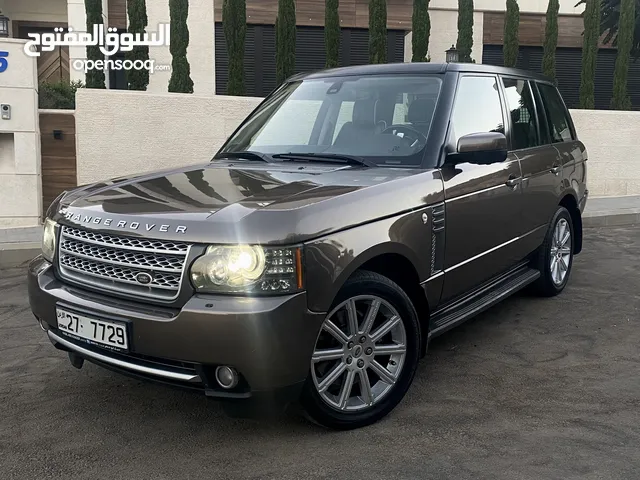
point(477, 108)
point(524, 128)
point(557, 115)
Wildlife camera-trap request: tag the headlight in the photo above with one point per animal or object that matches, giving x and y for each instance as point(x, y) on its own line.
point(49, 239)
point(248, 269)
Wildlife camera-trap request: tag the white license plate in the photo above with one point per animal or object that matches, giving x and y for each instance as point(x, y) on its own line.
point(104, 333)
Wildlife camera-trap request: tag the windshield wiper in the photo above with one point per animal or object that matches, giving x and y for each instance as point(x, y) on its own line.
point(325, 157)
point(244, 155)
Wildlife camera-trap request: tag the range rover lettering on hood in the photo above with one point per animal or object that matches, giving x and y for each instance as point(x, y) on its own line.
point(110, 222)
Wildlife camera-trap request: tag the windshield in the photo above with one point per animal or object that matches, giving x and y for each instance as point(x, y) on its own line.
point(383, 119)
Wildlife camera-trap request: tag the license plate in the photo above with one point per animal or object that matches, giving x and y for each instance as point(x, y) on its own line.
point(104, 333)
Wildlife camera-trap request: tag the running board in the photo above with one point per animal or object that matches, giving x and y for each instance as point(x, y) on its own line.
point(452, 315)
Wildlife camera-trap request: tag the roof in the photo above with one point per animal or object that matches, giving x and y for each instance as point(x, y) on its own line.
point(418, 68)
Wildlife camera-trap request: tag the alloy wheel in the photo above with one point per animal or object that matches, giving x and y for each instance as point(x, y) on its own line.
point(560, 257)
point(359, 353)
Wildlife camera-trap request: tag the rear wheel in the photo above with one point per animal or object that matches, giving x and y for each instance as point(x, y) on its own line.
point(555, 256)
point(365, 356)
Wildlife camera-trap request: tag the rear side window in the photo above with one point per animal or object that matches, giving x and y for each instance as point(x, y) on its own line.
point(477, 108)
point(524, 125)
point(557, 115)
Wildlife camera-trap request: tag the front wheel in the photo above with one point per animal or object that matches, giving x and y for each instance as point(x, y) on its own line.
point(365, 356)
point(555, 256)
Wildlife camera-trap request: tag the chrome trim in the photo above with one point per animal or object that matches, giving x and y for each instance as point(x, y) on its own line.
point(65, 233)
point(491, 250)
point(433, 277)
point(122, 364)
point(108, 279)
point(119, 264)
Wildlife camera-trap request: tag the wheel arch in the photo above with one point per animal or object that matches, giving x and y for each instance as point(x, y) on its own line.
point(393, 260)
point(570, 202)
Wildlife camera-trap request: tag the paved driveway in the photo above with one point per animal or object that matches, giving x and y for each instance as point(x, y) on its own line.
point(532, 389)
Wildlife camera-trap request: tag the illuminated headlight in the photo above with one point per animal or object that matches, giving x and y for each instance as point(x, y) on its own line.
point(248, 269)
point(49, 240)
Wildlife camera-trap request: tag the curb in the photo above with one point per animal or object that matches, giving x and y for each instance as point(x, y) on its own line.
point(18, 254)
point(629, 217)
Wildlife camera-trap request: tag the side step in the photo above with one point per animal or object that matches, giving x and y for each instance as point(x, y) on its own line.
point(482, 299)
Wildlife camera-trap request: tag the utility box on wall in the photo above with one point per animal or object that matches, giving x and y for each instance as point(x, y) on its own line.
point(20, 199)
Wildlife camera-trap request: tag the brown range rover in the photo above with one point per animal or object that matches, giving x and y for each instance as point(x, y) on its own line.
point(353, 216)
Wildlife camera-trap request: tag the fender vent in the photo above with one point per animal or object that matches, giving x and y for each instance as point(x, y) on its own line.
point(437, 228)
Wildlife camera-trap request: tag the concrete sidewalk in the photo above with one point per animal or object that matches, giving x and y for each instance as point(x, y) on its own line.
point(19, 245)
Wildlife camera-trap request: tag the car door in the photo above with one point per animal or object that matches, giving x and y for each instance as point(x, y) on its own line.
point(539, 161)
point(482, 202)
point(571, 152)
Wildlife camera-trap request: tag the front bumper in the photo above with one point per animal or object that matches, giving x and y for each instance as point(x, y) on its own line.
point(268, 340)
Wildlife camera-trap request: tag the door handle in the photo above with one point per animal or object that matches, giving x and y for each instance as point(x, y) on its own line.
point(513, 181)
point(555, 169)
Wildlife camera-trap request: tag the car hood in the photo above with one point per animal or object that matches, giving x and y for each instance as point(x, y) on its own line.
point(230, 202)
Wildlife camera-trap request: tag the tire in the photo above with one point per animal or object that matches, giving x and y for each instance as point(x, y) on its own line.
point(357, 359)
point(550, 283)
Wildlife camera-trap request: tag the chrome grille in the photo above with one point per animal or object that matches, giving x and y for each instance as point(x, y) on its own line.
point(114, 262)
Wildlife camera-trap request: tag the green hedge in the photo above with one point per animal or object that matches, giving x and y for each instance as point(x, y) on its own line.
point(58, 95)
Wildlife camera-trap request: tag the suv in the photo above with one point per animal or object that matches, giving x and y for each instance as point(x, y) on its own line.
point(353, 216)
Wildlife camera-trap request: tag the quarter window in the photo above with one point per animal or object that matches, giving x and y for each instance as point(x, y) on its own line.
point(524, 125)
point(477, 108)
point(557, 115)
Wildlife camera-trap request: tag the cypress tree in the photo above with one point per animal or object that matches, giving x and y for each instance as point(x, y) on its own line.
point(377, 31)
point(285, 40)
point(137, 11)
point(421, 27)
point(95, 78)
point(551, 40)
point(234, 21)
point(332, 33)
point(180, 81)
point(589, 53)
point(620, 100)
point(465, 30)
point(511, 42)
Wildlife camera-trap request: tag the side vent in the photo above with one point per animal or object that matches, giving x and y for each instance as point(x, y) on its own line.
point(437, 234)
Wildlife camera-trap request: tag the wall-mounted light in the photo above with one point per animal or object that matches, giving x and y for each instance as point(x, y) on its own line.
point(4, 26)
point(452, 55)
point(57, 134)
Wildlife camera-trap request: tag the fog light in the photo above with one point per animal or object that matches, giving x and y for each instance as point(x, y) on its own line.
point(227, 377)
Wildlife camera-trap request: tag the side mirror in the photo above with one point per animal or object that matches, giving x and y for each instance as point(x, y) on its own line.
point(480, 148)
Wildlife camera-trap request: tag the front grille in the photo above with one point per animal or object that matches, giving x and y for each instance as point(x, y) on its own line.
point(114, 263)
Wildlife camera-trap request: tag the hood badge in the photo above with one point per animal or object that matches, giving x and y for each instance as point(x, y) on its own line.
point(110, 222)
point(144, 278)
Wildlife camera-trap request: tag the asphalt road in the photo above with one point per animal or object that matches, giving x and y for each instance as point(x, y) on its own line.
point(532, 389)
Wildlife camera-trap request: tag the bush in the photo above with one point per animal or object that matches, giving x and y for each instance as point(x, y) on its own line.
point(58, 95)
point(95, 78)
point(137, 12)
point(589, 53)
point(377, 31)
point(285, 40)
point(332, 33)
point(180, 81)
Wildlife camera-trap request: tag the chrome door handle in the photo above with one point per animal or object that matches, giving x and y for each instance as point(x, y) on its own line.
point(555, 169)
point(512, 182)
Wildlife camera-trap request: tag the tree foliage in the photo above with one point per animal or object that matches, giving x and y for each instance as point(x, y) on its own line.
point(285, 40)
point(137, 12)
point(332, 33)
point(421, 28)
point(621, 100)
point(95, 78)
point(464, 43)
point(589, 53)
point(234, 21)
point(610, 23)
point(511, 26)
point(377, 31)
point(551, 40)
point(180, 81)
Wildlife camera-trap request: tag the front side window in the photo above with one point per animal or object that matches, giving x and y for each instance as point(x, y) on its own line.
point(520, 101)
point(557, 115)
point(477, 107)
point(384, 119)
